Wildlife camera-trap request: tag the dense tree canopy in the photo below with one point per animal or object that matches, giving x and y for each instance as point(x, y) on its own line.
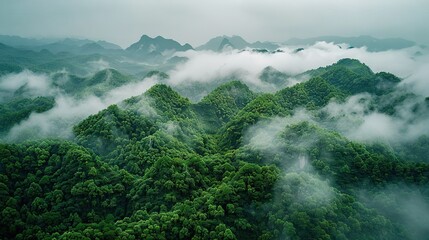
point(157, 166)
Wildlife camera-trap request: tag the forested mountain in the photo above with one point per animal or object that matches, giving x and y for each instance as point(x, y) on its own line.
point(237, 164)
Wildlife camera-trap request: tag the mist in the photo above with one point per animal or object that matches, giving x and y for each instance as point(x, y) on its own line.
point(355, 119)
point(27, 83)
point(401, 203)
point(208, 68)
point(68, 111)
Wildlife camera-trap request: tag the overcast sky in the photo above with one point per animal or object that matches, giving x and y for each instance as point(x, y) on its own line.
point(196, 21)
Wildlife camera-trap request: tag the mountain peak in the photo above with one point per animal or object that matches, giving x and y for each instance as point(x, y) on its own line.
point(237, 42)
point(225, 101)
point(225, 45)
point(159, 44)
point(159, 38)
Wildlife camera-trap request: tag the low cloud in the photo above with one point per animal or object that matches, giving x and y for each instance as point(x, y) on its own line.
point(98, 65)
point(403, 204)
point(57, 122)
point(68, 111)
point(27, 83)
point(419, 80)
point(265, 136)
point(208, 66)
point(299, 182)
point(355, 120)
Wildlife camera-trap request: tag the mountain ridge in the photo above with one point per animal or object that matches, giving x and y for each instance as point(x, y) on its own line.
point(147, 45)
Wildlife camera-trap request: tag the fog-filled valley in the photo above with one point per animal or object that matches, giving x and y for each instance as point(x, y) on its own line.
point(318, 138)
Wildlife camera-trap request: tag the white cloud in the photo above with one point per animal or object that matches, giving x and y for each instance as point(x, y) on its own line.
point(31, 84)
point(208, 67)
point(99, 65)
point(58, 121)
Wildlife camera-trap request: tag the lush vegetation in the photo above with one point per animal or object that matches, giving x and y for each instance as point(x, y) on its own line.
point(18, 109)
point(157, 166)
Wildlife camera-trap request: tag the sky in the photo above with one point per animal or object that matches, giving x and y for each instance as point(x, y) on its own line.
point(196, 21)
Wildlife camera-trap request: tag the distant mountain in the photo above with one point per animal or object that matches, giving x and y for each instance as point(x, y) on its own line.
point(225, 45)
point(108, 45)
point(236, 42)
point(373, 44)
point(92, 47)
point(72, 45)
point(97, 84)
point(24, 58)
point(79, 46)
point(274, 76)
point(265, 45)
point(16, 41)
point(157, 46)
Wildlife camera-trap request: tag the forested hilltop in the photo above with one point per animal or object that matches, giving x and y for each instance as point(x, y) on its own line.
point(303, 162)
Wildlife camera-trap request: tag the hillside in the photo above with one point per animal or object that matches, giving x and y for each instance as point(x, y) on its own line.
point(235, 165)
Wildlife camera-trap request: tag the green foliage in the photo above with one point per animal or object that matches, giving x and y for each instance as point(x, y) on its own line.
point(7, 68)
point(97, 84)
point(168, 102)
point(223, 103)
point(18, 109)
point(157, 166)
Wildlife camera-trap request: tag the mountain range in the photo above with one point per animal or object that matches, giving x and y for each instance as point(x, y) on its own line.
point(147, 46)
point(237, 164)
point(235, 42)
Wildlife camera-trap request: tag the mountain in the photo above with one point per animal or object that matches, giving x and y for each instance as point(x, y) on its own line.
point(157, 46)
point(236, 42)
point(265, 45)
point(16, 41)
point(216, 43)
point(19, 108)
point(234, 165)
point(108, 45)
point(23, 58)
point(91, 48)
point(372, 43)
point(225, 45)
point(79, 46)
point(273, 76)
point(96, 84)
point(57, 45)
point(220, 105)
